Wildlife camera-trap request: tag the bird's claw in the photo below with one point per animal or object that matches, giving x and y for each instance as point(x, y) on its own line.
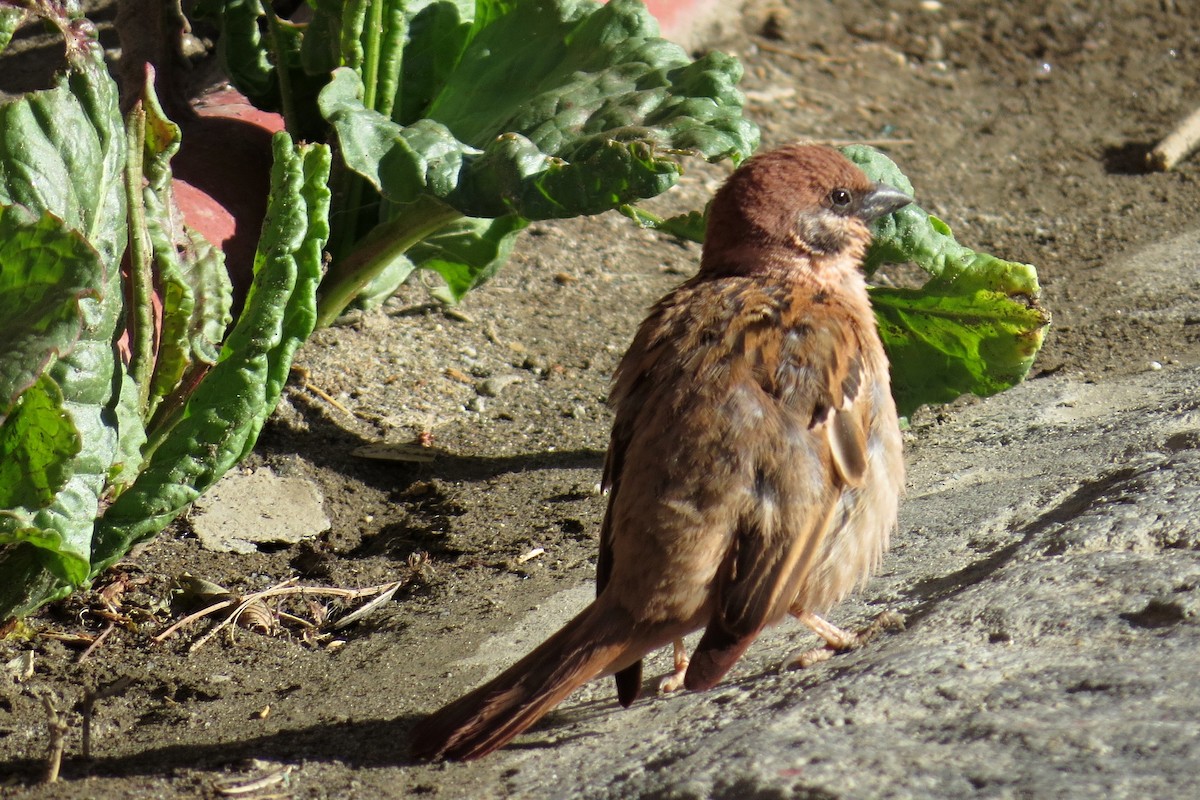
point(838, 640)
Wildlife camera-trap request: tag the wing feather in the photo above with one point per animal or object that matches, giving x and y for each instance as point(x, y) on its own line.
point(810, 372)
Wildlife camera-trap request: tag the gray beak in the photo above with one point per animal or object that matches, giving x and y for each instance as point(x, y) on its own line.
point(881, 201)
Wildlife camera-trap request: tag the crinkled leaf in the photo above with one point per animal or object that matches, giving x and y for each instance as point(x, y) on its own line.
point(45, 270)
point(380, 48)
point(194, 285)
point(62, 153)
point(242, 49)
point(37, 443)
point(975, 326)
point(943, 342)
point(591, 111)
point(223, 415)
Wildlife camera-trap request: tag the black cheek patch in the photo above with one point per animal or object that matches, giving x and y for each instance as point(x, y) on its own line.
point(821, 234)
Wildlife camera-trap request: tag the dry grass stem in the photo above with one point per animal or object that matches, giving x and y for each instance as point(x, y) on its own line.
point(58, 737)
point(253, 604)
point(1178, 144)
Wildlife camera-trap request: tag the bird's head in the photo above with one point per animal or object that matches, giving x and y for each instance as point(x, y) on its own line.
point(803, 200)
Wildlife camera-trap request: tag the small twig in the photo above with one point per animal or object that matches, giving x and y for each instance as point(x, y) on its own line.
point(190, 618)
point(231, 789)
point(532, 554)
point(58, 737)
point(328, 398)
point(355, 616)
point(97, 642)
point(1178, 144)
point(292, 618)
point(249, 600)
point(287, 587)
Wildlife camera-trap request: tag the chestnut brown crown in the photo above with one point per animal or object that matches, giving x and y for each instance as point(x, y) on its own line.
point(805, 199)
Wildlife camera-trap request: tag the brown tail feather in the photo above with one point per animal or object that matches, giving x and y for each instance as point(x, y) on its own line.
point(490, 716)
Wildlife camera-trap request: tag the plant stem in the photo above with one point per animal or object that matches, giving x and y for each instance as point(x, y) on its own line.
point(371, 54)
point(390, 240)
point(141, 278)
point(285, 79)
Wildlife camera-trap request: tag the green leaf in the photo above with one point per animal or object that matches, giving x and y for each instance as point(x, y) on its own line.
point(943, 342)
point(194, 285)
point(46, 269)
point(28, 583)
point(467, 253)
point(437, 31)
point(975, 326)
point(242, 49)
point(10, 19)
point(37, 444)
point(62, 153)
point(223, 415)
point(590, 111)
point(59, 151)
point(689, 226)
point(131, 437)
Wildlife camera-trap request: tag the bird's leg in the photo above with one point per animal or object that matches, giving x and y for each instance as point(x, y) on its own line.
point(674, 681)
point(836, 639)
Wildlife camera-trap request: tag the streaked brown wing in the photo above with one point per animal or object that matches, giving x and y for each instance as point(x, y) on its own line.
point(809, 368)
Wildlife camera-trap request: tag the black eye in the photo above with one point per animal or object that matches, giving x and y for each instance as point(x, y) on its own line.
point(840, 198)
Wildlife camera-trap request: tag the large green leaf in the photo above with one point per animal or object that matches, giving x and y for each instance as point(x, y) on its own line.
point(62, 154)
point(554, 108)
point(222, 417)
point(943, 342)
point(975, 326)
point(436, 33)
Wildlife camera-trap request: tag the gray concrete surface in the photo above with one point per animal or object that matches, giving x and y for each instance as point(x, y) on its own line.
point(1048, 562)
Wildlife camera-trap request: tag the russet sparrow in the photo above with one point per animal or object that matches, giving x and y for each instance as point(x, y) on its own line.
point(755, 462)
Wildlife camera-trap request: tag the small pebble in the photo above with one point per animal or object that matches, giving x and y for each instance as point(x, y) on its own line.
point(535, 364)
point(493, 386)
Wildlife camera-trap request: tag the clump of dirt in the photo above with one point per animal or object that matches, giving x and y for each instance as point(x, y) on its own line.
point(1022, 125)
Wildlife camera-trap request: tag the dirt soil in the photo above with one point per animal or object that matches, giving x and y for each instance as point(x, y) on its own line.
point(1023, 125)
